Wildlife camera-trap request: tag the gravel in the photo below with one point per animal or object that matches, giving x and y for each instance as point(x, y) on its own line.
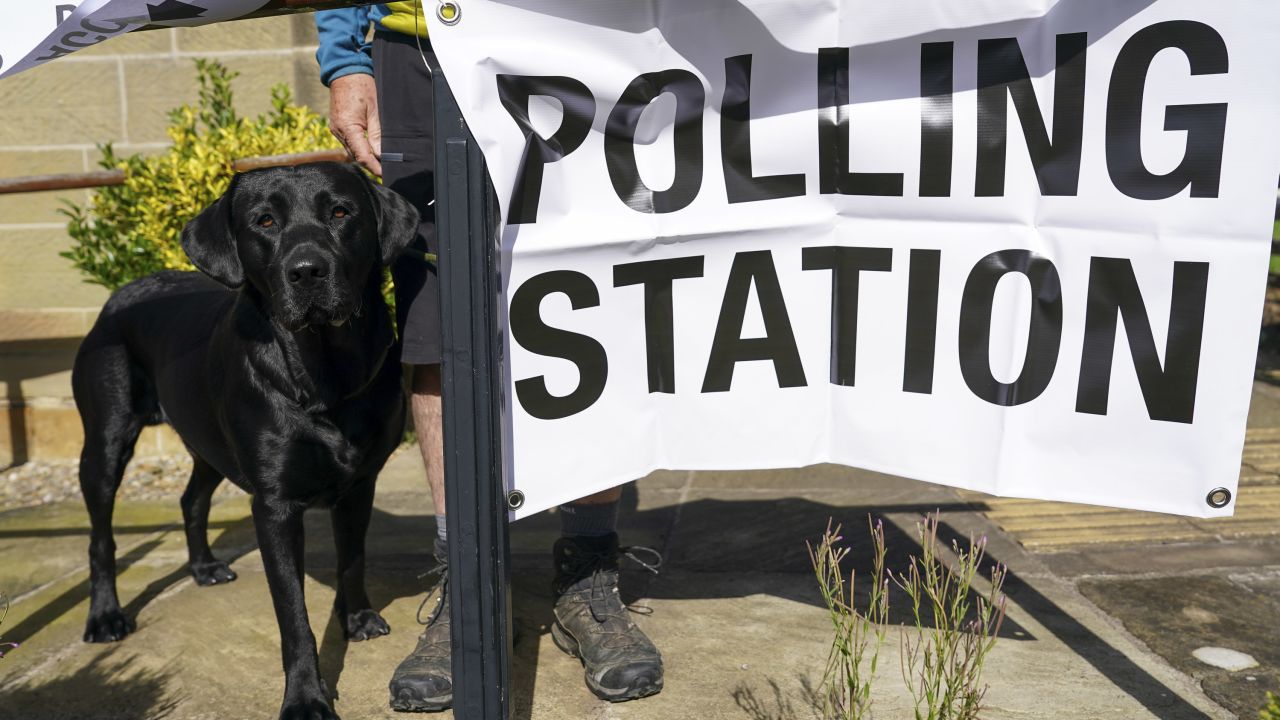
point(49, 481)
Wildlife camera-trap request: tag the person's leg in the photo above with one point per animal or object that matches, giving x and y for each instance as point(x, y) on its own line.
point(594, 515)
point(592, 624)
point(424, 400)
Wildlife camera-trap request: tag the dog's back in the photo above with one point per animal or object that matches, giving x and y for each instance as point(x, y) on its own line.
point(156, 326)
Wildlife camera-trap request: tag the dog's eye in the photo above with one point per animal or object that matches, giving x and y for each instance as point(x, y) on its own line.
point(340, 212)
point(265, 221)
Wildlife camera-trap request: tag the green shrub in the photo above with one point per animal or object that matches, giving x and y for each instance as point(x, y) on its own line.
point(132, 230)
point(1272, 710)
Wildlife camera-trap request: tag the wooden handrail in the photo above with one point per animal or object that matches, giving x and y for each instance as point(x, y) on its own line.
point(106, 178)
point(68, 181)
point(255, 163)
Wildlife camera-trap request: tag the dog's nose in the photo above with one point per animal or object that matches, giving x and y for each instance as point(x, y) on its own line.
point(307, 271)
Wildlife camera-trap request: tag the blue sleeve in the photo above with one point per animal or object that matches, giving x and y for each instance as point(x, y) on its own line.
point(343, 49)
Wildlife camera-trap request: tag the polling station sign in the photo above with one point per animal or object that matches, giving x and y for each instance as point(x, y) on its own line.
point(1016, 247)
point(35, 32)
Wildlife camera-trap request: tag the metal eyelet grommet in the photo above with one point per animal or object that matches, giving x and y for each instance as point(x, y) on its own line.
point(515, 499)
point(1218, 498)
point(449, 13)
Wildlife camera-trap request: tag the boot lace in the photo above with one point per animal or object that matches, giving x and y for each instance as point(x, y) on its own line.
point(601, 595)
point(441, 571)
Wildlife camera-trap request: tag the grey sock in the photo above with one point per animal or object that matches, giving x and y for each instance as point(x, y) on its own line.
point(442, 529)
point(589, 520)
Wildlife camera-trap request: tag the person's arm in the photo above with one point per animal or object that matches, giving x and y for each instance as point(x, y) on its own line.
point(346, 67)
point(343, 48)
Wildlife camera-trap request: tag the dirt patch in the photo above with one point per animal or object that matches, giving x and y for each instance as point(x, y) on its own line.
point(47, 481)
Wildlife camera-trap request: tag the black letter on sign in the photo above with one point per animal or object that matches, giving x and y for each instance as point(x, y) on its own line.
point(514, 92)
point(922, 321)
point(657, 277)
point(845, 264)
point(620, 138)
point(55, 52)
point(1170, 392)
point(833, 133)
point(1056, 161)
point(1205, 124)
point(779, 342)
point(1043, 338)
point(735, 142)
point(71, 39)
point(537, 337)
point(117, 27)
point(937, 71)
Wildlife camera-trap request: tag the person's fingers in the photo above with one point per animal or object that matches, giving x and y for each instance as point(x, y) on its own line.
point(375, 132)
point(373, 164)
point(364, 154)
point(352, 136)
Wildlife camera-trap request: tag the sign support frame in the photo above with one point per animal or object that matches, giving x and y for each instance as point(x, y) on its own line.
point(477, 520)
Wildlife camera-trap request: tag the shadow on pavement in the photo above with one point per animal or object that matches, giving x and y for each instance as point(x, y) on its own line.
point(1160, 700)
point(1195, 612)
point(745, 538)
point(1112, 664)
point(713, 549)
point(778, 706)
point(235, 542)
point(111, 688)
point(72, 597)
point(121, 529)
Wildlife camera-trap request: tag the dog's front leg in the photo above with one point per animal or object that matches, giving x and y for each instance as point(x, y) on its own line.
point(280, 537)
point(350, 524)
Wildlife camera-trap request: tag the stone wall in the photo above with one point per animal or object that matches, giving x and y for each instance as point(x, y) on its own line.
point(51, 120)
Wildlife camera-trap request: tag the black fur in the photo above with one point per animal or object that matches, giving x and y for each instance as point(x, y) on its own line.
point(282, 376)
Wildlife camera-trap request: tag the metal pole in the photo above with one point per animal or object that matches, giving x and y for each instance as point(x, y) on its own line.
point(477, 516)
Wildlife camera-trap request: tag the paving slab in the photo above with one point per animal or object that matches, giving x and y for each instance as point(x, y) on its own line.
point(736, 610)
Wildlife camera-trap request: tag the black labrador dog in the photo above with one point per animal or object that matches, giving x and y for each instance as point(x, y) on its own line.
point(279, 369)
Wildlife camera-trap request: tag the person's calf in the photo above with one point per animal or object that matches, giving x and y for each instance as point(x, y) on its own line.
point(589, 519)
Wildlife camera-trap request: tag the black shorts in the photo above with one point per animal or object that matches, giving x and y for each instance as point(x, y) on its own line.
point(406, 110)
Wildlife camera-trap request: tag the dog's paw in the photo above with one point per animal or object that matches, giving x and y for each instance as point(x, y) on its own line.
point(214, 573)
point(309, 709)
point(108, 626)
point(365, 624)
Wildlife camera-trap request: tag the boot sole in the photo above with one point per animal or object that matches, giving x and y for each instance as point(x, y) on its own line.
point(569, 645)
point(428, 705)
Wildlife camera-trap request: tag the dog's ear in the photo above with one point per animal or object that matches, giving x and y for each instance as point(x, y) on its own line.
point(397, 222)
point(211, 244)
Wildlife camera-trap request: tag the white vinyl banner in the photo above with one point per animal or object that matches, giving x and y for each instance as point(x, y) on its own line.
point(39, 31)
point(1018, 247)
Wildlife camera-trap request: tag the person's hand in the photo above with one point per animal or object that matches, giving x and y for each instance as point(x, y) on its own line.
point(353, 119)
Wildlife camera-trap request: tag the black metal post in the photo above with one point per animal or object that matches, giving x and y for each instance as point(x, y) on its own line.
point(475, 496)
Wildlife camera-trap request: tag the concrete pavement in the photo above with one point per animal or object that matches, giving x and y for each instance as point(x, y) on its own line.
point(1094, 630)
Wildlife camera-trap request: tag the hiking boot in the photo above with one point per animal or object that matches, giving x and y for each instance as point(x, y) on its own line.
point(423, 682)
point(592, 623)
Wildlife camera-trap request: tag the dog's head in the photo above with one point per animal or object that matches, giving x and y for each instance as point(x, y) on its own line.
point(308, 239)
